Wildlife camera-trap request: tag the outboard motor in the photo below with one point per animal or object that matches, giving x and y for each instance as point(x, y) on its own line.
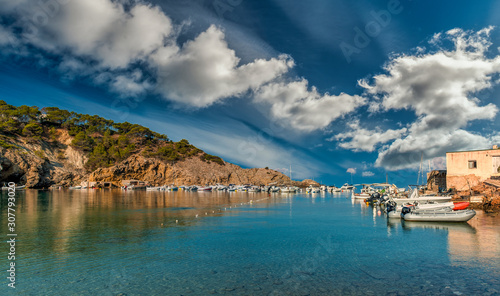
point(390, 206)
point(405, 210)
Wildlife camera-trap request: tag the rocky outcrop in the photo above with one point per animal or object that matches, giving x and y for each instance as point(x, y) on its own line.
point(41, 164)
point(188, 172)
point(309, 182)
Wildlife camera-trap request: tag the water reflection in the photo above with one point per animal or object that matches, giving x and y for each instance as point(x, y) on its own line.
point(152, 243)
point(471, 243)
point(56, 223)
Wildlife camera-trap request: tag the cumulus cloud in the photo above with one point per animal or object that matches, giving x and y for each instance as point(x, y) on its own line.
point(306, 109)
point(100, 29)
point(206, 70)
point(440, 88)
point(134, 49)
point(367, 174)
point(351, 170)
point(365, 140)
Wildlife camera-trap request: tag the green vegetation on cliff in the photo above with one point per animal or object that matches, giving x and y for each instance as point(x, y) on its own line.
point(103, 141)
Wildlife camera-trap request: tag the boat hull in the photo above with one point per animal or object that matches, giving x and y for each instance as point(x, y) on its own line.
point(440, 216)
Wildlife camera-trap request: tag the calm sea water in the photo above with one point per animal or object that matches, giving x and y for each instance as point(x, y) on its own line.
point(108, 242)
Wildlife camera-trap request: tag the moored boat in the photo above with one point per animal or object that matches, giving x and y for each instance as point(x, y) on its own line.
point(437, 215)
point(254, 189)
point(288, 189)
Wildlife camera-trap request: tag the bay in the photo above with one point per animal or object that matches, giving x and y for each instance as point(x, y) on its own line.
point(113, 242)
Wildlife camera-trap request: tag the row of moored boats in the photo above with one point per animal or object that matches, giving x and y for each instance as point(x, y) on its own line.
point(416, 207)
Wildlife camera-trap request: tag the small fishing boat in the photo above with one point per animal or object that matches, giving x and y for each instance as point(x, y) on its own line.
point(254, 189)
point(207, 188)
point(191, 188)
point(75, 187)
point(172, 188)
point(275, 189)
point(312, 189)
point(346, 187)
point(336, 190)
point(288, 189)
point(153, 188)
point(442, 215)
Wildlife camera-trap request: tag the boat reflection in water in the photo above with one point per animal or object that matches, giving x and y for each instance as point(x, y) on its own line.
point(471, 243)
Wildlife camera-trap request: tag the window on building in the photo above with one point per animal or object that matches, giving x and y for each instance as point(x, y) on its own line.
point(472, 164)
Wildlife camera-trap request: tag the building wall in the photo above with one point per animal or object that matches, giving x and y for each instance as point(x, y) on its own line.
point(461, 177)
point(436, 180)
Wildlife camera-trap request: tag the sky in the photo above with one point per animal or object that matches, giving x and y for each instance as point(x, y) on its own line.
point(338, 91)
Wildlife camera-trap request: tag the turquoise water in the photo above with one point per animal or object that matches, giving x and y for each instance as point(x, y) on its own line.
point(109, 242)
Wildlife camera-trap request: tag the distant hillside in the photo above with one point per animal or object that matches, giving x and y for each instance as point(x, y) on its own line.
point(50, 146)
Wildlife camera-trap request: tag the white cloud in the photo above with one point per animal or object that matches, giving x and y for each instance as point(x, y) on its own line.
point(440, 88)
point(367, 174)
point(101, 30)
point(365, 140)
point(105, 39)
point(206, 70)
point(304, 109)
point(351, 170)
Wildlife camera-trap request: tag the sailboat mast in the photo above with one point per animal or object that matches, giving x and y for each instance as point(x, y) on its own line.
point(420, 170)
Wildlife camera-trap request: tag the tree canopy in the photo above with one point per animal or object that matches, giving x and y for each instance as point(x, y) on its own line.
point(104, 141)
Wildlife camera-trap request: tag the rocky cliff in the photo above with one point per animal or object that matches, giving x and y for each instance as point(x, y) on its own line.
point(50, 146)
point(43, 164)
point(187, 172)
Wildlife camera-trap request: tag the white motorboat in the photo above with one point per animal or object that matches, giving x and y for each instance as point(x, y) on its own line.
point(360, 195)
point(336, 190)
point(274, 189)
point(191, 188)
point(312, 189)
point(438, 215)
point(288, 189)
point(254, 189)
point(415, 197)
point(206, 188)
point(346, 187)
point(75, 187)
point(242, 188)
point(152, 188)
point(172, 188)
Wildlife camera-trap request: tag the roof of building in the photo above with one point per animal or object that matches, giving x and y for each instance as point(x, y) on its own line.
point(474, 150)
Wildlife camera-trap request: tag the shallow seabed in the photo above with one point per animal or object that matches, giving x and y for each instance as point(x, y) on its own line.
point(113, 242)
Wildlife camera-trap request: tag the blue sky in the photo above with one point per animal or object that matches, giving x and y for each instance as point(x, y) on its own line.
point(328, 87)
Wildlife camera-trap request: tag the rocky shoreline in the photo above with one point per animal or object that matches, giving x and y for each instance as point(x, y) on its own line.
point(40, 165)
